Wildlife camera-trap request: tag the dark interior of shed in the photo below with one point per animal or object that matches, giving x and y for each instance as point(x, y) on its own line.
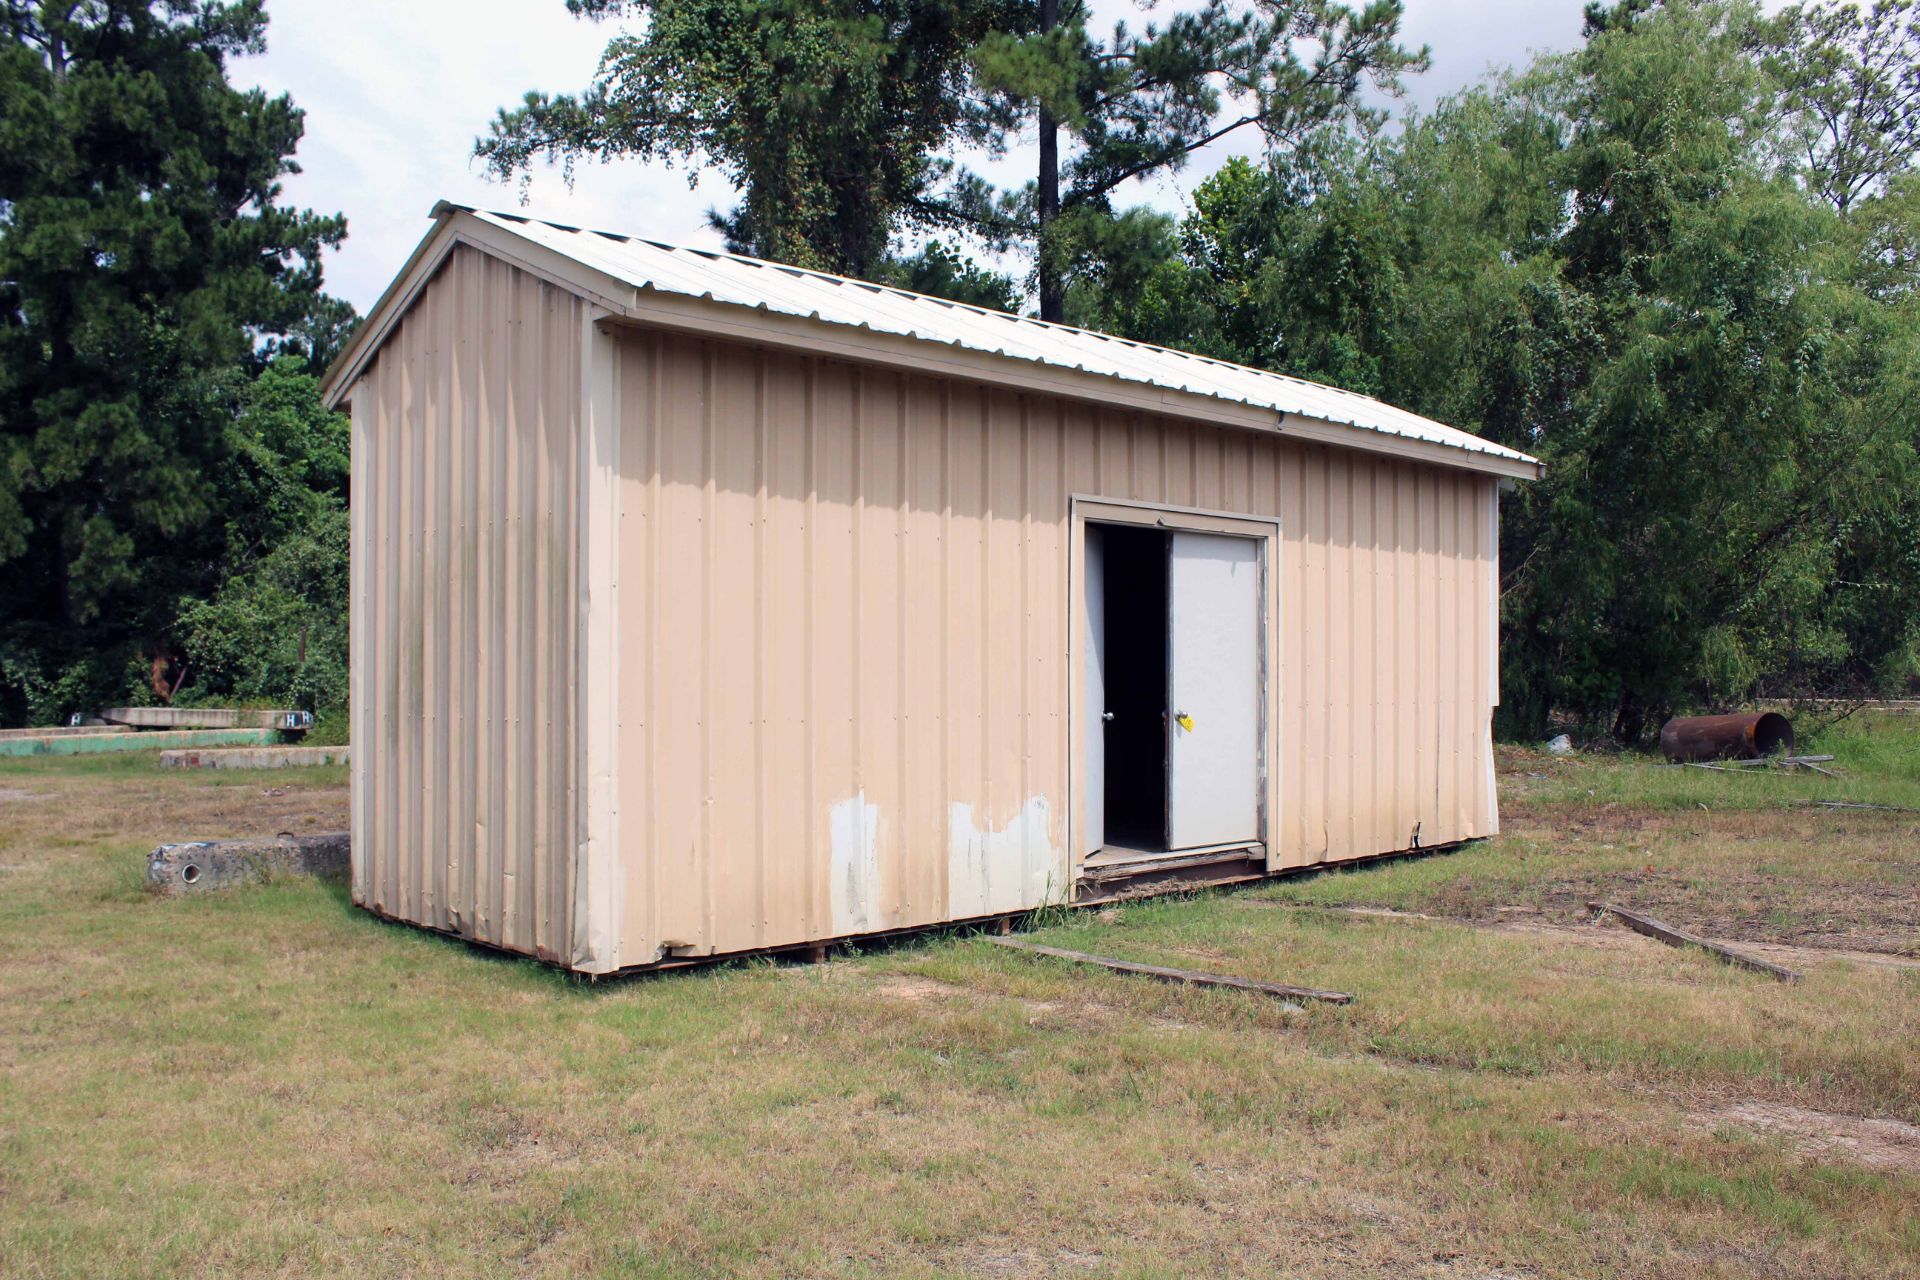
point(1136, 681)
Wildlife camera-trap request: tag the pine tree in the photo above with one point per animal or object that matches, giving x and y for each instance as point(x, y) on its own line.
point(146, 267)
point(1143, 102)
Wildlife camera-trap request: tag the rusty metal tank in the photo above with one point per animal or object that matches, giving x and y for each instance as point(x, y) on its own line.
point(1736, 737)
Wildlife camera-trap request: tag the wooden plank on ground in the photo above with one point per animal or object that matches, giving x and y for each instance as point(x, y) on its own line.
point(1764, 762)
point(1192, 977)
point(1673, 937)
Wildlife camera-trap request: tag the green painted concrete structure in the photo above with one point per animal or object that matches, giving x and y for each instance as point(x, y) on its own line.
point(88, 743)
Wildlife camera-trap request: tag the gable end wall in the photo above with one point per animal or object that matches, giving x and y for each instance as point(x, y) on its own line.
point(466, 493)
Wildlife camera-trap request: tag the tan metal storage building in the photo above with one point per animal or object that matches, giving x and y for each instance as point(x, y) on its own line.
point(703, 605)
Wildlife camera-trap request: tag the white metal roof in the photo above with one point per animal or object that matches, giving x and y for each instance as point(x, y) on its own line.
point(834, 300)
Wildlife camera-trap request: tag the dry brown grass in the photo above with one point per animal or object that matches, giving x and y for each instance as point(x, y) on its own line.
point(269, 1082)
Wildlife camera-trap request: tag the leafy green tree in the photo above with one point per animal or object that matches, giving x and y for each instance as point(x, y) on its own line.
point(273, 628)
point(945, 273)
point(1725, 426)
point(829, 116)
point(145, 258)
point(1143, 102)
point(286, 463)
point(1602, 262)
point(1315, 258)
point(1126, 276)
point(277, 631)
point(1388, 266)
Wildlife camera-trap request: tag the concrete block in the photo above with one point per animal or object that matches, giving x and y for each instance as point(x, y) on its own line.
point(254, 758)
point(203, 865)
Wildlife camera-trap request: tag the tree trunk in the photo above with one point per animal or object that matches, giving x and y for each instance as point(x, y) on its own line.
point(54, 20)
point(1052, 291)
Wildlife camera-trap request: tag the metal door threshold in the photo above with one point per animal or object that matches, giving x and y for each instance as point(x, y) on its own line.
point(1120, 863)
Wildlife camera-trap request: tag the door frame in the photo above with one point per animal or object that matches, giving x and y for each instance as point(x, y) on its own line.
point(1084, 509)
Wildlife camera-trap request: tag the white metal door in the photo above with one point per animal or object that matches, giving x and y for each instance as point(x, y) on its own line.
point(1213, 787)
point(1094, 702)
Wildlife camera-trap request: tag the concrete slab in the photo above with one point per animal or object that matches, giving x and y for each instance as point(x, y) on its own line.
point(206, 718)
point(59, 731)
point(253, 757)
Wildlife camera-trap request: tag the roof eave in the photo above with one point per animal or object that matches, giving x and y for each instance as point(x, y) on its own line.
point(455, 225)
point(392, 304)
point(1346, 435)
point(626, 304)
point(655, 310)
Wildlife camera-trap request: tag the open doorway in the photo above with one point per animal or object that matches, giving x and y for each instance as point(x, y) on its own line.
point(1134, 719)
point(1174, 690)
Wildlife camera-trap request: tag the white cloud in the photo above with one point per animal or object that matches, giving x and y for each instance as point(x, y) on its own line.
point(395, 94)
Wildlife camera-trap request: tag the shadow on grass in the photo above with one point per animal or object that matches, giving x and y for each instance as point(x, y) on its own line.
point(801, 956)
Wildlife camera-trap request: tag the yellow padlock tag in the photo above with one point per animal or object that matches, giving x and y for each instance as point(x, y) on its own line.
point(1185, 722)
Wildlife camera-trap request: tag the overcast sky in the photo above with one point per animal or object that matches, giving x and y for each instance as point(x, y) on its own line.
point(396, 90)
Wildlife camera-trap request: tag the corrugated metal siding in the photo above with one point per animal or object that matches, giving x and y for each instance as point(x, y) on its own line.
point(846, 591)
point(466, 466)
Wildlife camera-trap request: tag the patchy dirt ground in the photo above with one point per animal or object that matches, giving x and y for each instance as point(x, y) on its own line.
point(1890, 1145)
point(1523, 922)
point(1814, 879)
point(1738, 858)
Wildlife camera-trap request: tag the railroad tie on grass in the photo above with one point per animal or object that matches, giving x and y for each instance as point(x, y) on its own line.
point(1191, 977)
point(1673, 937)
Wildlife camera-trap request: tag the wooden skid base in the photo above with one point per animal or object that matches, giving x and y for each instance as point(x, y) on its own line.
point(1188, 879)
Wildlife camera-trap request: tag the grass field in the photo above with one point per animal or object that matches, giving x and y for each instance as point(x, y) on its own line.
point(269, 1082)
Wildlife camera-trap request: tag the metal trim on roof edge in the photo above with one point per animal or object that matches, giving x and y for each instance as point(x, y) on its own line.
point(1158, 378)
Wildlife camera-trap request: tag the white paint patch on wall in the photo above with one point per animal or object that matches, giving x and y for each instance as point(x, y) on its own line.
point(1011, 868)
point(853, 830)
